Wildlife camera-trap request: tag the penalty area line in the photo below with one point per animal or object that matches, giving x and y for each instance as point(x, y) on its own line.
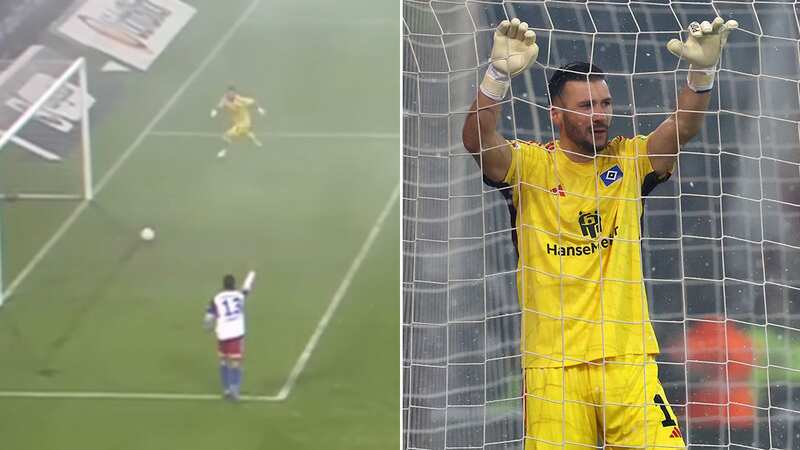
point(88, 395)
point(338, 295)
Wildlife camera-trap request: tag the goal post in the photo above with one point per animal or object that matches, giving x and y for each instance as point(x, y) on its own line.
point(720, 243)
point(45, 144)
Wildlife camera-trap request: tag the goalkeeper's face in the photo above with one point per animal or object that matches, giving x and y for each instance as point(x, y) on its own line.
point(582, 114)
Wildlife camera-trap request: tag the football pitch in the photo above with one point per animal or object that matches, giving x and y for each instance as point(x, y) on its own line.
point(101, 341)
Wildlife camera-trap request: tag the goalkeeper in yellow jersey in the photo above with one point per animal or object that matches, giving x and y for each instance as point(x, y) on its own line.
point(238, 107)
point(590, 373)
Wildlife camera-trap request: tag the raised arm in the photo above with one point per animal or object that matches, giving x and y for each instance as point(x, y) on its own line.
point(513, 51)
point(702, 50)
point(480, 133)
point(249, 280)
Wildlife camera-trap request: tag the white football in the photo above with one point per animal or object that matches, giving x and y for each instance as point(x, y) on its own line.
point(147, 234)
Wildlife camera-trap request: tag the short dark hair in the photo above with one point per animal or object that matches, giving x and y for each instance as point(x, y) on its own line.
point(229, 282)
point(574, 71)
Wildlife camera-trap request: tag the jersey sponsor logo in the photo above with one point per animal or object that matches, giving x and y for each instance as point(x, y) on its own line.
point(611, 175)
point(590, 224)
point(577, 250)
point(582, 250)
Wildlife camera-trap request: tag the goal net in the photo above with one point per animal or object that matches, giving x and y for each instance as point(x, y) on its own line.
point(45, 152)
point(721, 238)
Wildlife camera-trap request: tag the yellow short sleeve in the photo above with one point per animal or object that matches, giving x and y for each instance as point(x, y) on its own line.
point(637, 147)
point(636, 152)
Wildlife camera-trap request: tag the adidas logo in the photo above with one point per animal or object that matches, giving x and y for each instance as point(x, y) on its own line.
point(676, 433)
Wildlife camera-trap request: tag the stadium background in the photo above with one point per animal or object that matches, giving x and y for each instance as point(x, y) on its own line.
point(720, 238)
point(103, 312)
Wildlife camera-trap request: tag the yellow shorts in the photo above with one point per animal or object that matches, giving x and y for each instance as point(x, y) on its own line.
point(621, 403)
point(238, 130)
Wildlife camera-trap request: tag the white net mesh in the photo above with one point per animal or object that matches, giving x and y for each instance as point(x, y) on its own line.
point(720, 239)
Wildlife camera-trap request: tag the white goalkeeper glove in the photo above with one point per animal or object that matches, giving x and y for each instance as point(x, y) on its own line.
point(513, 51)
point(213, 113)
point(261, 111)
point(702, 50)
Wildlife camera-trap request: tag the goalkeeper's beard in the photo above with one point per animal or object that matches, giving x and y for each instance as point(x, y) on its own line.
point(587, 141)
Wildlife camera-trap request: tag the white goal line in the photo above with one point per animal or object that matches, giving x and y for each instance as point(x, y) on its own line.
point(299, 365)
point(289, 134)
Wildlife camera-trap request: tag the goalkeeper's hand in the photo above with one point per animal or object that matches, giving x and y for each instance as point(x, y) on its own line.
point(702, 50)
point(513, 51)
point(261, 111)
point(213, 113)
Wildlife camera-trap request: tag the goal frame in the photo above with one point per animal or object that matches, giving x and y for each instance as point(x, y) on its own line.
point(76, 68)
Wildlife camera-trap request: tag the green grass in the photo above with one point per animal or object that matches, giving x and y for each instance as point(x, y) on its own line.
point(106, 312)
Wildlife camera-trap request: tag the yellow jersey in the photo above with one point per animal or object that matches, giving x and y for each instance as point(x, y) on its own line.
point(239, 109)
point(580, 278)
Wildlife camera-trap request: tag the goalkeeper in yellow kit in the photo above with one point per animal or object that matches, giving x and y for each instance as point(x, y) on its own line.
point(589, 348)
point(238, 107)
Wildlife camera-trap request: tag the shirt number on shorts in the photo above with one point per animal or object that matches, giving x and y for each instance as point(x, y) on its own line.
point(668, 420)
